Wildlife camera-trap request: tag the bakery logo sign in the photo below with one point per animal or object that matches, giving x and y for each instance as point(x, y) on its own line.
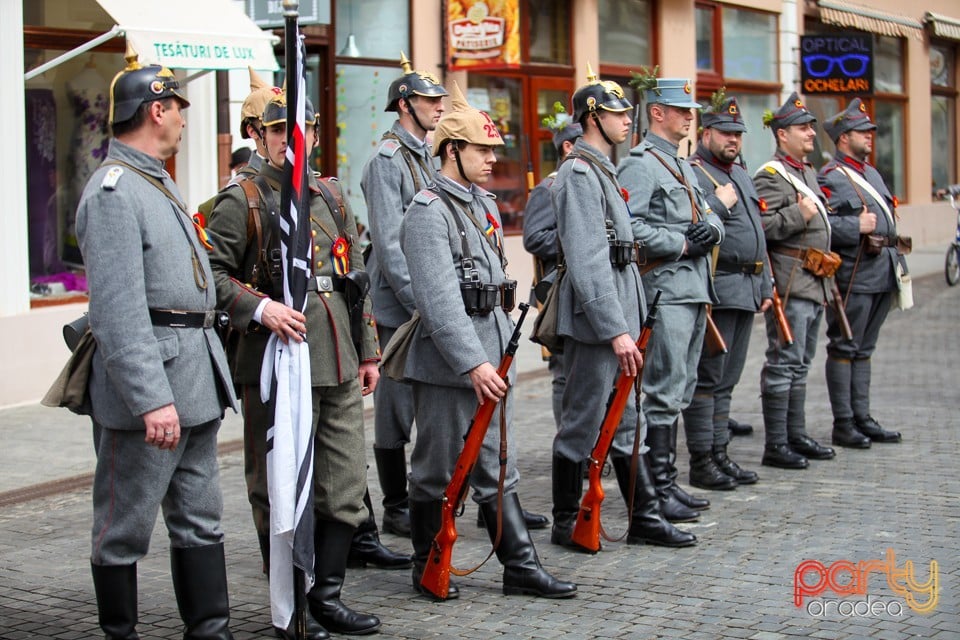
point(482, 35)
point(843, 588)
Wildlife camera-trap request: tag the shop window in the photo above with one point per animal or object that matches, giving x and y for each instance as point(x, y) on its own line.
point(626, 32)
point(888, 64)
point(705, 17)
point(548, 30)
point(888, 145)
point(749, 45)
point(372, 29)
point(943, 115)
point(361, 120)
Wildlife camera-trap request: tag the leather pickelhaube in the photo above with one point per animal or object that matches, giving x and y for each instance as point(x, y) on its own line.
point(276, 112)
point(256, 101)
point(598, 94)
point(412, 83)
point(138, 84)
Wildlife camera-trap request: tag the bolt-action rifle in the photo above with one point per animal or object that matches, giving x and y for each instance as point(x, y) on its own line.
point(783, 325)
point(586, 532)
point(436, 573)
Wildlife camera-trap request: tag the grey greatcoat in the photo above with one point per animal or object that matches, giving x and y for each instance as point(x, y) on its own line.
point(448, 343)
point(598, 301)
point(141, 252)
point(400, 168)
point(741, 282)
point(661, 210)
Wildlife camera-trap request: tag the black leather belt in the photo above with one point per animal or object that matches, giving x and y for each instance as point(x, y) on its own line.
point(323, 284)
point(188, 319)
point(748, 268)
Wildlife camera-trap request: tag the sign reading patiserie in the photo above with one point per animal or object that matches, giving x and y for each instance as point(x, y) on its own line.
point(837, 63)
point(268, 14)
point(479, 37)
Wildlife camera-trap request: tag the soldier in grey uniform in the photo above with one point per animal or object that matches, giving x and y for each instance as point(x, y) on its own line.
point(741, 279)
point(540, 237)
point(451, 237)
point(344, 356)
point(865, 235)
point(401, 167)
point(159, 382)
point(676, 229)
point(601, 308)
point(796, 226)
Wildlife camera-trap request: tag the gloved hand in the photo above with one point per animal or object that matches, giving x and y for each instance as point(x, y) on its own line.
point(696, 249)
point(702, 233)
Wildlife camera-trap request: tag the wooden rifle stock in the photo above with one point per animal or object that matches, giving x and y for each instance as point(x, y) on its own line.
point(635, 129)
point(783, 325)
point(586, 532)
point(845, 330)
point(713, 338)
point(436, 573)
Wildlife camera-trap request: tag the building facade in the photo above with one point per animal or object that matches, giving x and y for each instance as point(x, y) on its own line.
point(751, 47)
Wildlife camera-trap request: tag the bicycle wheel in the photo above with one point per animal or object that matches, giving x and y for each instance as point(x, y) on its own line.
point(951, 269)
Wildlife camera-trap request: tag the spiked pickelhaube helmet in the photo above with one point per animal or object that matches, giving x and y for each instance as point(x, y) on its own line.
point(138, 84)
point(598, 94)
point(412, 83)
point(276, 112)
point(256, 101)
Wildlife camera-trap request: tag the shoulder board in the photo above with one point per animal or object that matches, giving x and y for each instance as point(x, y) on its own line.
point(389, 148)
point(426, 196)
point(770, 170)
point(580, 165)
point(830, 167)
point(552, 175)
point(641, 148)
point(110, 179)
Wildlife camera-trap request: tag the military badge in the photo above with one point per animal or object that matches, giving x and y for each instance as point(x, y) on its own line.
point(341, 259)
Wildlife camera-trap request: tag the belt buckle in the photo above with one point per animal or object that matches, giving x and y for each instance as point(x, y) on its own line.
point(757, 268)
point(324, 284)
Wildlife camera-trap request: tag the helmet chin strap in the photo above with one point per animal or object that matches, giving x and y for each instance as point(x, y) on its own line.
point(413, 114)
point(596, 120)
point(456, 154)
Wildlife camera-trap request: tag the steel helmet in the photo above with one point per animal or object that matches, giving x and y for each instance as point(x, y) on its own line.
point(138, 84)
point(412, 83)
point(598, 94)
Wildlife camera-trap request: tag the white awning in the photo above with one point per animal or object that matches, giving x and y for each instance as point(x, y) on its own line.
point(942, 26)
point(848, 14)
point(193, 34)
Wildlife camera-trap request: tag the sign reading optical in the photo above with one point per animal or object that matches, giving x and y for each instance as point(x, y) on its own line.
point(837, 63)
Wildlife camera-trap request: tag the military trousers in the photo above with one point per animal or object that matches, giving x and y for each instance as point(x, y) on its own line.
point(670, 374)
point(719, 373)
point(339, 454)
point(591, 371)
point(134, 480)
point(788, 366)
point(392, 406)
point(443, 416)
point(866, 313)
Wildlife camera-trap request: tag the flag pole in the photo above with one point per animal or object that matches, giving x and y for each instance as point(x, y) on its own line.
point(291, 33)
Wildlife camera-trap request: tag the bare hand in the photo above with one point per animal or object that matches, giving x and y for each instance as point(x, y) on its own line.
point(766, 304)
point(868, 221)
point(486, 383)
point(808, 208)
point(163, 427)
point(369, 377)
point(628, 355)
point(727, 194)
point(287, 323)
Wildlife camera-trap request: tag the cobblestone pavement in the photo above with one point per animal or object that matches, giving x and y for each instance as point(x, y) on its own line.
point(738, 582)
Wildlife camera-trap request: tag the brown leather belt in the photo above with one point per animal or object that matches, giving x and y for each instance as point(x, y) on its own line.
point(747, 268)
point(799, 254)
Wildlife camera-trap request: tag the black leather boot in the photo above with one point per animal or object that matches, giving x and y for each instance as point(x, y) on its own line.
point(872, 429)
point(313, 629)
point(392, 471)
point(731, 468)
point(845, 434)
point(116, 589)
point(782, 457)
point(705, 474)
point(647, 526)
point(331, 543)
point(658, 460)
point(533, 520)
point(200, 582)
point(567, 491)
point(264, 541)
point(366, 548)
point(797, 436)
point(739, 428)
point(776, 451)
point(424, 525)
point(522, 572)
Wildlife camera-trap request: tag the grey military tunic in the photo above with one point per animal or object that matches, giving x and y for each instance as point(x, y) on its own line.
point(141, 252)
point(740, 292)
point(401, 167)
point(448, 343)
point(661, 210)
point(597, 302)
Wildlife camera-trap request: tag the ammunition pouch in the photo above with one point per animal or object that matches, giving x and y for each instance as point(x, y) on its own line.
point(480, 298)
point(873, 244)
point(622, 253)
point(904, 245)
point(356, 286)
point(823, 264)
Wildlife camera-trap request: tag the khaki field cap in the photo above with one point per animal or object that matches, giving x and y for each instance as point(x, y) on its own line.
point(260, 94)
point(465, 123)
